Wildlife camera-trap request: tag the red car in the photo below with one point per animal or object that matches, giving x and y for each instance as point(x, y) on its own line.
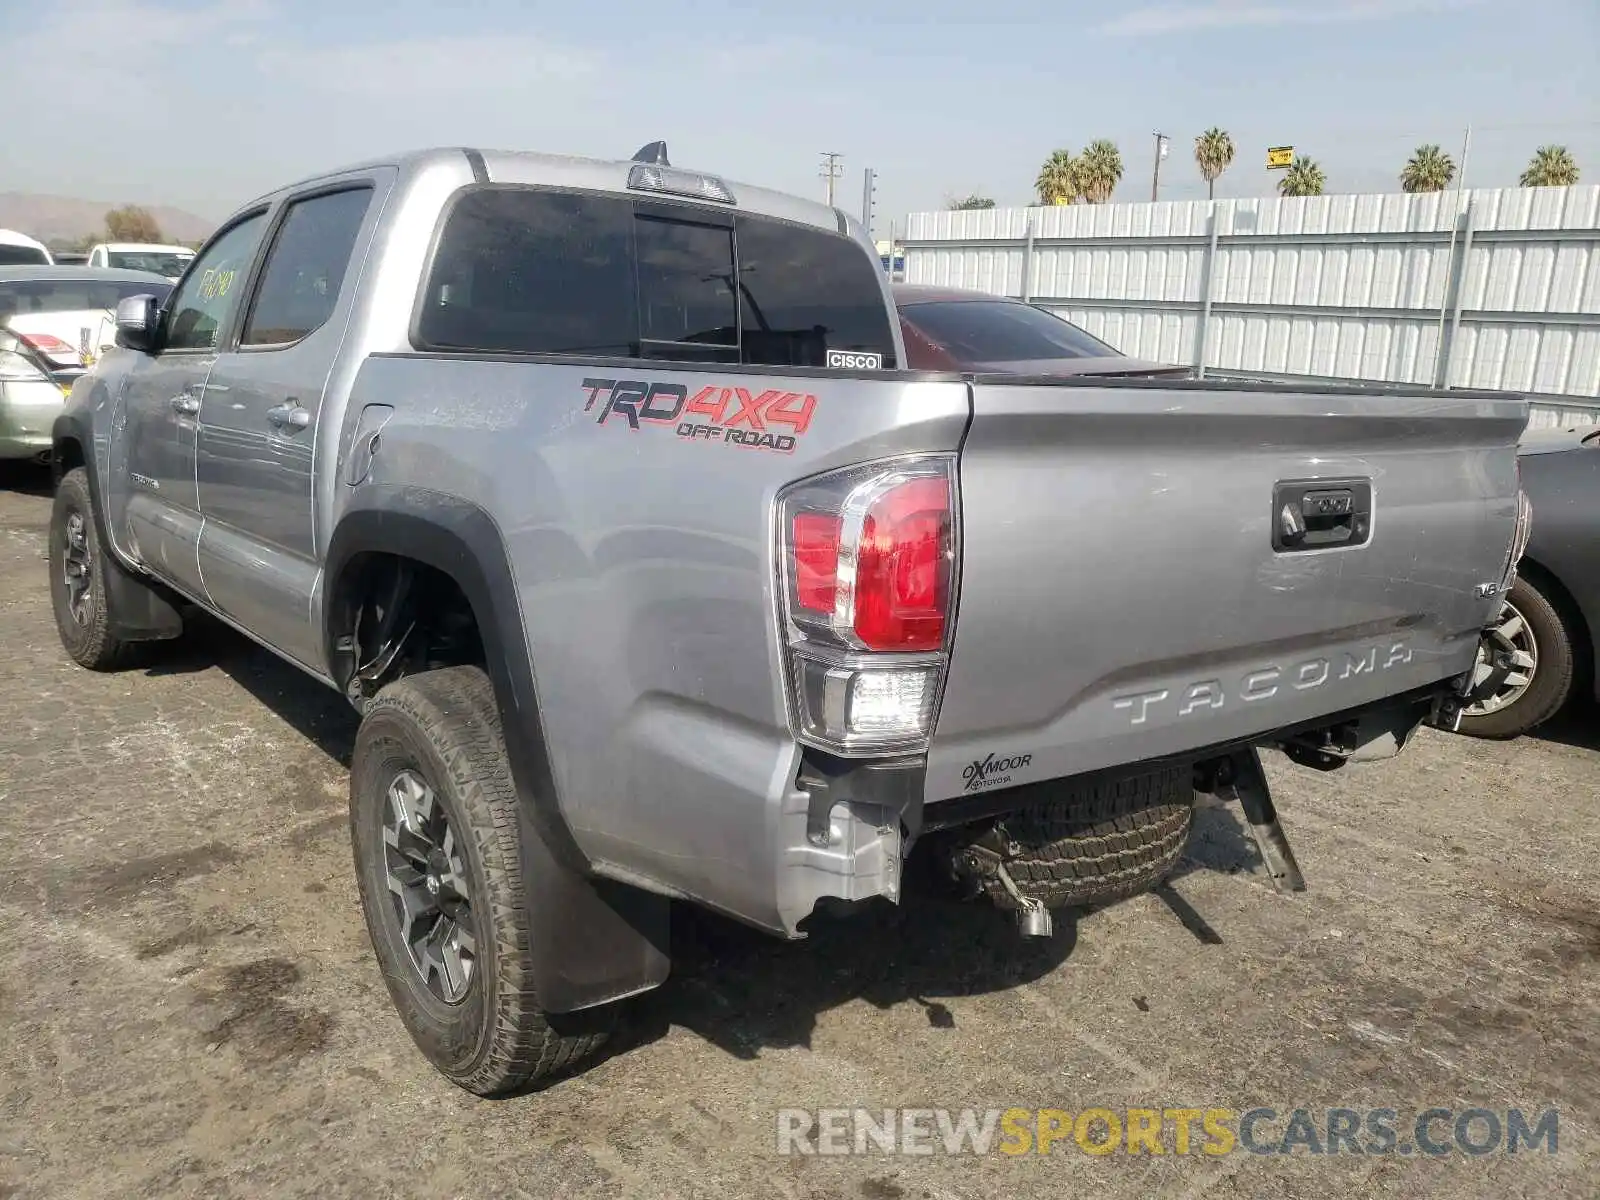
point(952, 329)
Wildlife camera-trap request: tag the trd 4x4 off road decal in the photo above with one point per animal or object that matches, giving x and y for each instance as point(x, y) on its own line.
point(733, 416)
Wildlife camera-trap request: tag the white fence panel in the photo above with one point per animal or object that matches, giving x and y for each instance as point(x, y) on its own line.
point(1492, 288)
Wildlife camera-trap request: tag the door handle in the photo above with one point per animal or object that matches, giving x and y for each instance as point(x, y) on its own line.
point(289, 416)
point(1317, 515)
point(186, 402)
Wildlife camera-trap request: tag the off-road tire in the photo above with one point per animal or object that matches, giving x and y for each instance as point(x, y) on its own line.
point(1095, 843)
point(90, 643)
point(1552, 679)
point(444, 726)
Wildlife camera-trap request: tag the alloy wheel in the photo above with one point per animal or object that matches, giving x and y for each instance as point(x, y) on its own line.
point(1512, 632)
point(427, 878)
point(77, 569)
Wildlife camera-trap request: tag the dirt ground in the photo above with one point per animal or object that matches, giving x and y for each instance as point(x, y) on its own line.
point(188, 1005)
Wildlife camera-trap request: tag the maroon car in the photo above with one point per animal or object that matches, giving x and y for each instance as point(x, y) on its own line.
point(952, 329)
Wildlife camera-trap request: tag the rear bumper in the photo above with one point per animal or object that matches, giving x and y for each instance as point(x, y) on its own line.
point(740, 820)
point(27, 412)
point(1186, 712)
point(838, 830)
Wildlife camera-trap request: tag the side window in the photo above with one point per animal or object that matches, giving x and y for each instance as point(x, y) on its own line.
point(533, 273)
point(807, 291)
point(305, 268)
point(211, 289)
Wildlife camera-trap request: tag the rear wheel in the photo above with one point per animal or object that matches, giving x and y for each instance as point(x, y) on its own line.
point(1536, 635)
point(78, 594)
point(436, 832)
point(1096, 843)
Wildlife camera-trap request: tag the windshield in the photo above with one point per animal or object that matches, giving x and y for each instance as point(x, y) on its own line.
point(990, 331)
point(154, 261)
point(70, 295)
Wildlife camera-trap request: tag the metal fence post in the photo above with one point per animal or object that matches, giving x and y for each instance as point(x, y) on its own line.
point(1444, 369)
point(1027, 263)
point(1206, 284)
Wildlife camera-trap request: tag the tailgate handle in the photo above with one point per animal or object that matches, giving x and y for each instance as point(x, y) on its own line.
point(1320, 514)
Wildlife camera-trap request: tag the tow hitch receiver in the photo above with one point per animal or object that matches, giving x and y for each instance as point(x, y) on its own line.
point(1240, 777)
point(986, 859)
point(1033, 918)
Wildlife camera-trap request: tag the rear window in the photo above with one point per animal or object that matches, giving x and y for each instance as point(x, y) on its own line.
point(536, 272)
point(994, 331)
point(155, 262)
point(12, 255)
point(72, 295)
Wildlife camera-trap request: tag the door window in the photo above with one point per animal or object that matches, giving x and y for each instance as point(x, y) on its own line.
point(306, 268)
point(534, 273)
point(211, 290)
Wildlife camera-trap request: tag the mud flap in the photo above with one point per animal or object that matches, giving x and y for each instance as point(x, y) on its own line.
point(593, 940)
point(136, 611)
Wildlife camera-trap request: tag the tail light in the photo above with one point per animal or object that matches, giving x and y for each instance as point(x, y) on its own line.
point(1519, 539)
point(19, 361)
point(18, 368)
point(868, 564)
point(52, 347)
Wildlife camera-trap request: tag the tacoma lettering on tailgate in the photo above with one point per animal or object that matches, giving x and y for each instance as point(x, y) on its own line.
point(1261, 683)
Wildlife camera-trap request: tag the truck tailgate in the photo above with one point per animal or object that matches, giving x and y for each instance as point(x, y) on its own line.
point(1128, 588)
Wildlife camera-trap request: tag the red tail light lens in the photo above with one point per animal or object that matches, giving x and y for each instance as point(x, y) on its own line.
point(867, 577)
point(816, 561)
point(902, 589)
point(50, 345)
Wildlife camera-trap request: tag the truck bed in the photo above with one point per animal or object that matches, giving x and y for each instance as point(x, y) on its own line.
point(1121, 593)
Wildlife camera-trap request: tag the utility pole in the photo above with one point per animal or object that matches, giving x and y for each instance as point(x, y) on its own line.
point(1155, 180)
point(869, 197)
point(1466, 151)
point(831, 170)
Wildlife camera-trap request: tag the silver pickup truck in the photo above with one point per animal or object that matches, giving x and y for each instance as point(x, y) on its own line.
point(600, 490)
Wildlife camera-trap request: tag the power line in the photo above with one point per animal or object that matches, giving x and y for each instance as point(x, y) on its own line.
point(832, 170)
point(1155, 179)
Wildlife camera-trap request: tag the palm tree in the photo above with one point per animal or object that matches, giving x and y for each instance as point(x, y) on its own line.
point(1429, 170)
point(1213, 150)
point(1551, 166)
point(1303, 178)
point(1099, 171)
point(1058, 179)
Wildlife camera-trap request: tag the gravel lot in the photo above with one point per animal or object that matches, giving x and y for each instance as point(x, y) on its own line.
point(188, 1006)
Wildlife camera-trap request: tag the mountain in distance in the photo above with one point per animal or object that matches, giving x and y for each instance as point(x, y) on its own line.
point(66, 217)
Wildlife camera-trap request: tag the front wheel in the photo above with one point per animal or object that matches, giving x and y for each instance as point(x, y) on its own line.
point(1541, 674)
point(436, 832)
point(78, 566)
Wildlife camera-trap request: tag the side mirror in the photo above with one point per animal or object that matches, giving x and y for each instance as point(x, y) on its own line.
point(137, 317)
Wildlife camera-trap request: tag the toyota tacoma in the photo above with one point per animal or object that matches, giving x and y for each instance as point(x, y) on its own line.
point(602, 492)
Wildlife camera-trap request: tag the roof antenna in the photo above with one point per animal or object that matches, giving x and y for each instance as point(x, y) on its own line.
point(654, 153)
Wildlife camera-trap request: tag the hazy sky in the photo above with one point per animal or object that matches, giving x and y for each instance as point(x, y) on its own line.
point(205, 104)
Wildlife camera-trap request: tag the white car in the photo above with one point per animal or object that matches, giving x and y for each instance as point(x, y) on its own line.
point(157, 259)
point(55, 322)
point(18, 250)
